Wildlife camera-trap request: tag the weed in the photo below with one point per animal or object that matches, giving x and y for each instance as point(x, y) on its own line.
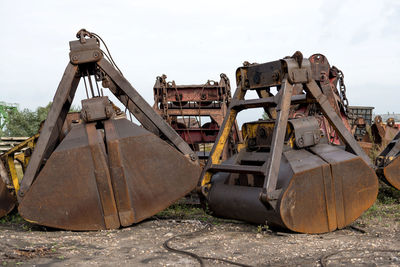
point(27, 227)
point(262, 228)
point(388, 195)
point(189, 212)
point(12, 218)
point(183, 211)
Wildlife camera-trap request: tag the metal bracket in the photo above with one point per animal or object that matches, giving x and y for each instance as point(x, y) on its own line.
point(98, 108)
point(296, 73)
point(306, 131)
point(85, 52)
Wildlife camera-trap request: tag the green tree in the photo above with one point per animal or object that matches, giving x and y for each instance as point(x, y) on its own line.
point(42, 112)
point(25, 122)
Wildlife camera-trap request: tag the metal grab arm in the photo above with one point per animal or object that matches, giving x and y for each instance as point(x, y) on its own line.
point(271, 167)
point(146, 112)
point(52, 127)
point(86, 56)
point(337, 123)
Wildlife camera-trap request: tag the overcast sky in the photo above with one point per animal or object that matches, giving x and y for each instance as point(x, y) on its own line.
point(192, 41)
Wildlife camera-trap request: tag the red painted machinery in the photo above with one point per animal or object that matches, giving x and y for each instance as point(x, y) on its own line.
point(196, 112)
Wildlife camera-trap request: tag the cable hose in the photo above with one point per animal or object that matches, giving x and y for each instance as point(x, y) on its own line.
point(325, 258)
point(198, 258)
point(108, 51)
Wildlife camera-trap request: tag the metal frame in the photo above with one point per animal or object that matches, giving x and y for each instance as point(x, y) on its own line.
point(87, 59)
point(283, 74)
point(210, 99)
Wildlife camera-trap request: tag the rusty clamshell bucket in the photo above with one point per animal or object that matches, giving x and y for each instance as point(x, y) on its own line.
point(285, 174)
point(106, 172)
point(322, 189)
point(7, 200)
point(388, 163)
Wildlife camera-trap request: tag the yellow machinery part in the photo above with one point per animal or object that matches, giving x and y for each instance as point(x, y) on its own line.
point(19, 153)
point(13, 172)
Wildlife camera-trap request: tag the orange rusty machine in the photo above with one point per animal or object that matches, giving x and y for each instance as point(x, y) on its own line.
point(288, 173)
point(196, 112)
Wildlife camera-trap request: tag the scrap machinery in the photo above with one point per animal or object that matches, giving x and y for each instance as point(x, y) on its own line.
point(106, 172)
point(289, 173)
point(196, 112)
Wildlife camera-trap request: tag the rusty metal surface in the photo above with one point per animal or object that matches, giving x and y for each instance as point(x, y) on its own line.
point(330, 79)
point(98, 108)
point(94, 187)
point(388, 163)
point(307, 131)
point(72, 118)
point(320, 193)
point(312, 190)
point(355, 184)
point(205, 104)
point(106, 172)
point(50, 135)
point(7, 200)
point(65, 194)
point(148, 175)
point(391, 173)
point(201, 94)
point(126, 89)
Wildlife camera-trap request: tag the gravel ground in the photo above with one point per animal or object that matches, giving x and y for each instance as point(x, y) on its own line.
point(373, 240)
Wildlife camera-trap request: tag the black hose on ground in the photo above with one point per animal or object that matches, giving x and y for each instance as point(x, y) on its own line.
point(198, 258)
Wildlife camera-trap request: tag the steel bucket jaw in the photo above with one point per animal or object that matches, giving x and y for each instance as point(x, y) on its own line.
point(7, 200)
point(391, 173)
point(148, 175)
point(106, 178)
point(388, 163)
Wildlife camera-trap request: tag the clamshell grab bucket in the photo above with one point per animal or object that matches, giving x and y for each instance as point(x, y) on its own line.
point(288, 172)
point(106, 172)
point(107, 177)
point(323, 189)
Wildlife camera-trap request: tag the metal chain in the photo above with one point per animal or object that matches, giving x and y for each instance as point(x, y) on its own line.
point(342, 87)
point(164, 97)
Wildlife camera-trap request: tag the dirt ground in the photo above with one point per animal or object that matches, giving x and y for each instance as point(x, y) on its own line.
point(373, 240)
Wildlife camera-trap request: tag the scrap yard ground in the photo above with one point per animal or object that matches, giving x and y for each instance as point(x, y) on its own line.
point(373, 240)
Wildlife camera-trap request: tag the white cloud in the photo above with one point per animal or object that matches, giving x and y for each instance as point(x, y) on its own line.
point(192, 41)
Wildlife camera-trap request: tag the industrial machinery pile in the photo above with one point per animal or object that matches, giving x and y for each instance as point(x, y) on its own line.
point(301, 169)
point(196, 112)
